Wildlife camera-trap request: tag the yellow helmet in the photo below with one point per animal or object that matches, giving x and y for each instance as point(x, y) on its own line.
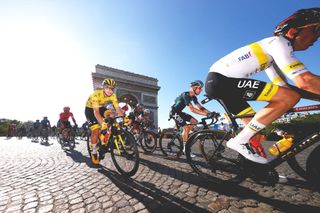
point(108, 82)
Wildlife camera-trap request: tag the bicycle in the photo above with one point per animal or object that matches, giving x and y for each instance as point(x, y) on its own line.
point(67, 138)
point(44, 135)
point(146, 138)
point(171, 143)
point(230, 167)
point(121, 145)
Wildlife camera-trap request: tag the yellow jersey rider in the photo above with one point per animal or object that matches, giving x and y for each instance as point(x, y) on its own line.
point(95, 108)
point(227, 78)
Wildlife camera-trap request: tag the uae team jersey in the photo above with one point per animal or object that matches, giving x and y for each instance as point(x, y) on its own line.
point(273, 54)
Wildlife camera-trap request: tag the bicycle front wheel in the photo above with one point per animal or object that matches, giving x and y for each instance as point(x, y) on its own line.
point(149, 142)
point(171, 145)
point(124, 153)
point(209, 158)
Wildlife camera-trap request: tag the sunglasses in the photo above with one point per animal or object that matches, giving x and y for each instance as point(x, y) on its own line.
point(111, 88)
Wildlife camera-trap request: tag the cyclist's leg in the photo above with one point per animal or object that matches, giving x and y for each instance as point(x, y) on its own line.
point(186, 127)
point(181, 119)
point(282, 100)
point(235, 98)
point(95, 131)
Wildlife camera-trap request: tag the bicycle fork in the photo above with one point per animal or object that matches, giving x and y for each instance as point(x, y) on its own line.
point(117, 145)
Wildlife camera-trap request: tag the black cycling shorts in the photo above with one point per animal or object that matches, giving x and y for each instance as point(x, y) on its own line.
point(91, 118)
point(235, 92)
point(180, 118)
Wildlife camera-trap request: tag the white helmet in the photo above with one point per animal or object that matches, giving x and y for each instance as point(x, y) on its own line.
point(147, 111)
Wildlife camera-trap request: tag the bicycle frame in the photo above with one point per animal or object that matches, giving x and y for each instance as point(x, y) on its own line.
point(114, 136)
point(298, 146)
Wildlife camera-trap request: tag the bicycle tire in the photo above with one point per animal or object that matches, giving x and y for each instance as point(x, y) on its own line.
point(299, 165)
point(89, 146)
point(72, 143)
point(211, 160)
point(313, 169)
point(171, 145)
point(148, 142)
point(127, 161)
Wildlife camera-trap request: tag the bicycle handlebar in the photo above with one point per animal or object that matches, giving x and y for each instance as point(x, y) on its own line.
point(214, 119)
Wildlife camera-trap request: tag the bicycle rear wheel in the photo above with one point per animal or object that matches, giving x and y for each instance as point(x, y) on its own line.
point(211, 160)
point(298, 162)
point(313, 170)
point(89, 146)
point(124, 153)
point(171, 145)
point(149, 142)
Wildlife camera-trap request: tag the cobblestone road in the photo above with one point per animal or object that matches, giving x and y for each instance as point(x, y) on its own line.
point(38, 178)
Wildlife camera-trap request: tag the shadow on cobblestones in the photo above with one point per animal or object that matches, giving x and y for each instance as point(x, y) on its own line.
point(78, 157)
point(299, 184)
point(227, 190)
point(154, 199)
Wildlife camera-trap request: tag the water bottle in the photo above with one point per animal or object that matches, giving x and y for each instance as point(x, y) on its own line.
point(282, 145)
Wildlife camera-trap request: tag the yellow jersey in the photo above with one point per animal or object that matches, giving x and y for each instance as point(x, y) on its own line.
point(99, 99)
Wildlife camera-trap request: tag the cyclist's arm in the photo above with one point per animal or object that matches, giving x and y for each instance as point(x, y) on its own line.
point(275, 75)
point(195, 110)
point(119, 111)
point(74, 120)
point(116, 106)
point(202, 108)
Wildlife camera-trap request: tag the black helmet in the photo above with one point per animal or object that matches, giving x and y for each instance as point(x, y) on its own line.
point(301, 18)
point(141, 106)
point(197, 83)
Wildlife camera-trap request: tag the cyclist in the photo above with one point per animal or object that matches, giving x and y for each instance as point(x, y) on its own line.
point(135, 118)
point(228, 77)
point(64, 119)
point(45, 124)
point(12, 130)
point(147, 118)
point(183, 100)
point(36, 128)
point(94, 111)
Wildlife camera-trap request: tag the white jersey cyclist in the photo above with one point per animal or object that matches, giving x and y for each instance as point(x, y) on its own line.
point(274, 55)
point(228, 78)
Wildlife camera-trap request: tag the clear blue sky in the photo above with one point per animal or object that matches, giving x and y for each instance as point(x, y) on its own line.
point(48, 49)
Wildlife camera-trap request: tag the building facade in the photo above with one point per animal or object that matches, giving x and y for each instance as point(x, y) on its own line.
point(131, 89)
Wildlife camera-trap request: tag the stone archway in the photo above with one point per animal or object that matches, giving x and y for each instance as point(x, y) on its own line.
point(129, 99)
point(135, 87)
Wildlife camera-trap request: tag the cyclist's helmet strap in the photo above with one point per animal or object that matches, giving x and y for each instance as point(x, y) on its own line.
point(297, 20)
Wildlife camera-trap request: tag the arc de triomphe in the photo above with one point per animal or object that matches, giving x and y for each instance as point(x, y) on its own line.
point(131, 88)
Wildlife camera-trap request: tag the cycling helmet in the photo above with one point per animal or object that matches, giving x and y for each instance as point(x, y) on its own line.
point(197, 83)
point(147, 111)
point(108, 82)
point(66, 109)
point(299, 19)
point(140, 106)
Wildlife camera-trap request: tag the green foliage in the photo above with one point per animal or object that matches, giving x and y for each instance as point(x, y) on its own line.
point(4, 125)
point(300, 127)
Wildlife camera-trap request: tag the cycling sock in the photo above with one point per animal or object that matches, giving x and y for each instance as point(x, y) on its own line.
point(250, 130)
point(94, 149)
